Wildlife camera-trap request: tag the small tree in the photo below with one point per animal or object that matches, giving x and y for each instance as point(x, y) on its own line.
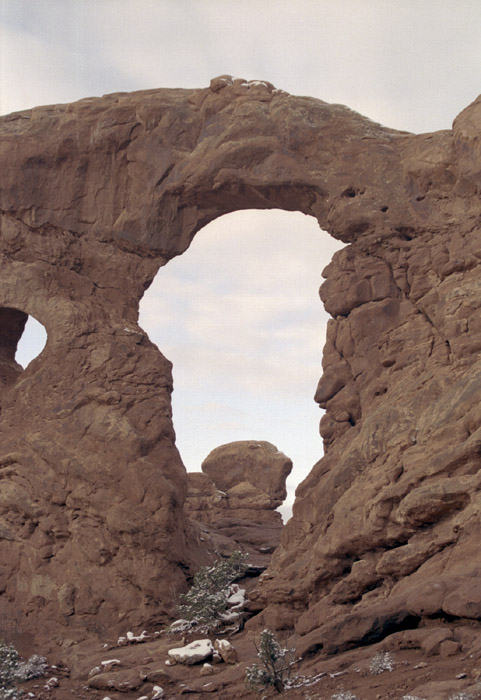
point(275, 667)
point(206, 601)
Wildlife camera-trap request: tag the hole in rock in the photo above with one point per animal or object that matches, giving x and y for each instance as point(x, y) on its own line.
point(385, 626)
point(15, 355)
point(31, 343)
point(240, 317)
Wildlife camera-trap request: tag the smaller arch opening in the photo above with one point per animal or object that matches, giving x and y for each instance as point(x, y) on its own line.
point(31, 343)
point(22, 338)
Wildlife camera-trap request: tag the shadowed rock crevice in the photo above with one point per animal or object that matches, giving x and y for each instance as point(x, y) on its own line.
point(95, 197)
point(12, 324)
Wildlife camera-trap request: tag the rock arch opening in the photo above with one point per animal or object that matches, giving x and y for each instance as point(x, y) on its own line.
point(240, 318)
point(22, 338)
point(31, 343)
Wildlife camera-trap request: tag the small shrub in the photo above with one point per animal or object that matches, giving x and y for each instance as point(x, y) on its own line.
point(275, 666)
point(344, 695)
point(34, 667)
point(9, 660)
point(206, 601)
point(382, 661)
point(13, 670)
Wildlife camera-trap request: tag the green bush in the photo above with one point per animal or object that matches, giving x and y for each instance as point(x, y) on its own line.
point(274, 670)
point(206, 602)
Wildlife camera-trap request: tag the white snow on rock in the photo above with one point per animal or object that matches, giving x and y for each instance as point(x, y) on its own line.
point(222, 644)
point(130, 638)
point(254, 83)
point(207, 670)
point(216, 657)
point(229, 616)
point(180, 626)
point(157, 692)
point(237, 597)
point(192, 653)
point(226, 650)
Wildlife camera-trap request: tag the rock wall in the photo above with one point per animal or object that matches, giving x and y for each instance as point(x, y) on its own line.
point(95, 197)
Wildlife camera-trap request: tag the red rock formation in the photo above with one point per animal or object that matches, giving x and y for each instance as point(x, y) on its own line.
point(237, 494)
point(95, 196)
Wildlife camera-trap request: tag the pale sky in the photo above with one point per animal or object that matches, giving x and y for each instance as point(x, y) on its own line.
point(239, 313)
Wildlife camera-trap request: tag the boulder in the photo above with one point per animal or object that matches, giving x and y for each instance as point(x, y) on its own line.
point(226, 650)
point(250, 471)
point(193, 653)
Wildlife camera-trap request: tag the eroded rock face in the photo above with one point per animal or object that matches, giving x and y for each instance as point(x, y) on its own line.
point(258, 464)
point(95, 197)
point(241, 485)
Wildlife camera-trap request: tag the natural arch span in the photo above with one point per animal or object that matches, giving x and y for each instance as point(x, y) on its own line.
point(95, 197)
point(240, 317)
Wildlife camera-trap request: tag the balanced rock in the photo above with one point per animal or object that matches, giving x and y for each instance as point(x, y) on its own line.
point(249, 470)
point(241, 485)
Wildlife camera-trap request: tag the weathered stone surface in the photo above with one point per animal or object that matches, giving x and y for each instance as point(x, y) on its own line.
point(249, 471)
point(95, 197)
point(226, 650)
point(236, 495)
point(122, 681)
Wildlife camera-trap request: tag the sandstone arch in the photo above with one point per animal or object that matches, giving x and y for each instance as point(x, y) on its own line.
point(95, 197)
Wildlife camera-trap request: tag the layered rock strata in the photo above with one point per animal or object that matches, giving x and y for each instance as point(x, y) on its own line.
point(236, 495)
point(95, 197)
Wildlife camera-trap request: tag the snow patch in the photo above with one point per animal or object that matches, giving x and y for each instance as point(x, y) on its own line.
point(255, 83)
point(192, 653)
point(180, 626)
point(237, 598)
point(131, 638)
